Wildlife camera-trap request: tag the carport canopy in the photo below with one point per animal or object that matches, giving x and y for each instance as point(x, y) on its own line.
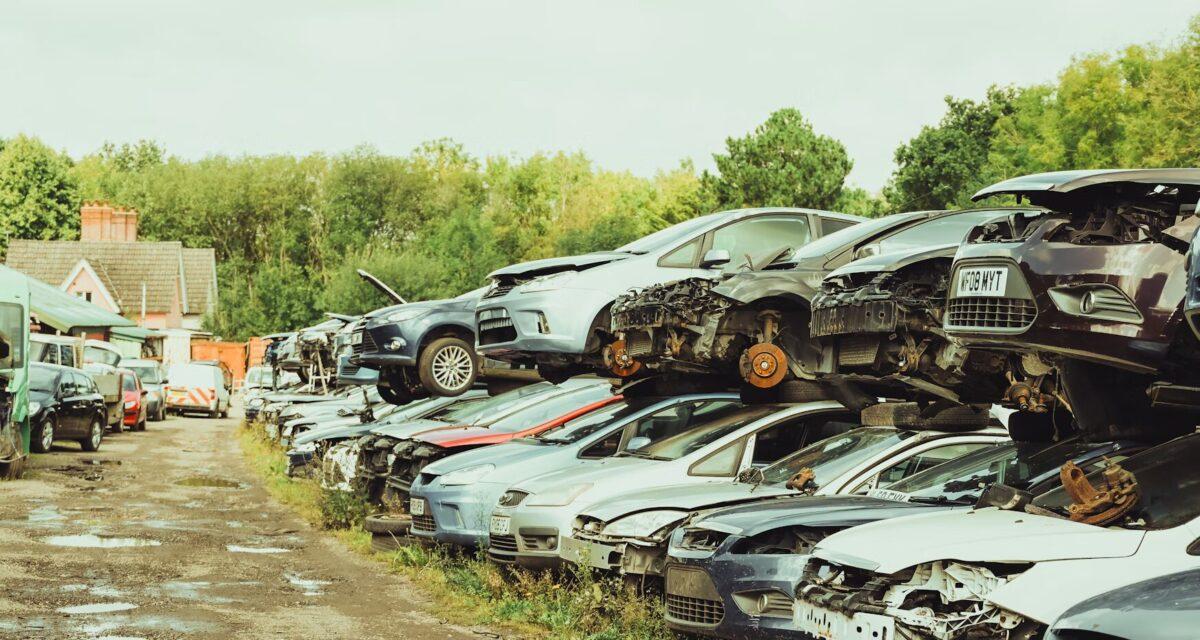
point(65, 312)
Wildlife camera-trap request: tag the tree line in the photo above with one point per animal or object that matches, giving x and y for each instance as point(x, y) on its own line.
point(289, 232)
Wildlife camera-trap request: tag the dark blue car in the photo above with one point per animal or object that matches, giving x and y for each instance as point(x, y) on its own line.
point(731, 572)
point(1163, 608)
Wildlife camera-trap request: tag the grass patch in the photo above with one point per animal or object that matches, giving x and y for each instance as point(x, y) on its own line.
point(468, 589)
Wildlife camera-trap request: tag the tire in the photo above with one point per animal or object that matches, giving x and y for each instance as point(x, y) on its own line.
point(13, 469)
point(907, 415)
point(41, 437)
point(120, 425)
point(141, 426)
point(92, 443)
point(392, 396)
point(386, 543)
point(757, 395)
point(162, 413)
point(387, 524)
point(803, 391)
point(448, 366)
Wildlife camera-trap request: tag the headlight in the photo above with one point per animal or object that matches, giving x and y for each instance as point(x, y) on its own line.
point(552, 281)
point(560, 497)
point(643, 524)
point(256, 402)
point(129, 404)
point(406, 314)
point(34, 407)
point(469, 475)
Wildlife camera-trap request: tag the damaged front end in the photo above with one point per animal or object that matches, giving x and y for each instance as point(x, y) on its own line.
point(633, 545)
point(942, 600)
point(406, 459)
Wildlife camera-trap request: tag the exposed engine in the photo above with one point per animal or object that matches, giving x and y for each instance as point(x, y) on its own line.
point(1102, 222)
point(678, 321)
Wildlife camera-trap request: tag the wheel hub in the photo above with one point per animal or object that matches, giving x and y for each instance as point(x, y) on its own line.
point(619, 360)
point(766, 365)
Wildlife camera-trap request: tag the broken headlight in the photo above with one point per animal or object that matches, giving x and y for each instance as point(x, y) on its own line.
point(643, 525)
point(550, 282)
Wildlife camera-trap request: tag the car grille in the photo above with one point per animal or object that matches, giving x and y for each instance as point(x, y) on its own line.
point(990, 314)
point(497, 330)
point(499, 291)
point(695, 610)
point(503, 543)
point(366, 345)
point(424, 523)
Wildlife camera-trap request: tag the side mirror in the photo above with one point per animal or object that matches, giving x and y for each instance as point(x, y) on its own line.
point(637, 443)
point(866, 251)
point(144, 392)
point(714, 258)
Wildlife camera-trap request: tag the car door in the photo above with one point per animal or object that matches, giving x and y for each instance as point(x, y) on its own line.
point(913, 460)
point(70, 404)
point(754, 241)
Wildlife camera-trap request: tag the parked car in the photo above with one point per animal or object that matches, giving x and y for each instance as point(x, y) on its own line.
point(1088, 296)
point(556, 312)
point(629, 531)
point(110, 381)
point(1008, 573)
point(200, 388)
point(153, 377)
point(134, 397)
point(752, 326)
point(1166, 607)
point(420, 347)
point(64, 350)
point(732, 571)
point(534, 516)
point(456, 495)
point(64, 404)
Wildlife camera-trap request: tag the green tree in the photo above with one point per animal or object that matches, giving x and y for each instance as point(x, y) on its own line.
point(782, 163)
point(39, 198)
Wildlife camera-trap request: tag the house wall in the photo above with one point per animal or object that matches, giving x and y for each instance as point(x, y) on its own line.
point(85, 283)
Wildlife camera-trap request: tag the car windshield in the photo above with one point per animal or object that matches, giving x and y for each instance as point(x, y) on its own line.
point(585, 425)
point(667, 237)
point(148, 375)
point(103, 356)
point(834, 456)
point(851, 235)
point(945, 229)
point(1168, 481)
point(128, 382)
point(716, 423)
point(1012, 464)
point(497, 404)
point(552, 407)
point(257, 376)
point(42, 379)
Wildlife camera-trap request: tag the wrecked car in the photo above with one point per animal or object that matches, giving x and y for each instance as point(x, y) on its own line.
point(877, 323)
point(731, 571)
point(629, 532)
point(1007, 573)
point(555, 312)
point(1087, 296)
point(531, 521)
point(1162, 608)
point(14, 372)
point(753, 325)
point(458, 493)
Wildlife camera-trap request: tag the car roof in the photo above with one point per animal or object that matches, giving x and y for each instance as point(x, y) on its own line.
point(1068, 181)
point(54, 367)
point(724, 216)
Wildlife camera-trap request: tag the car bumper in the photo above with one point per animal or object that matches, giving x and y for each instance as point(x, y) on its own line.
point(533, 538)
point(730, 575)
point(384, 345)
point(132, 416)
point(521, 324)
point(458, 515)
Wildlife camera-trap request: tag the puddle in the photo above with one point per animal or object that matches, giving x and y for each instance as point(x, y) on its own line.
point(308, 587)
point(99, 607)
point(208, 481)
point(45, 515)
point(98, 590)
point(235, 548)
point(92, 541)
point(192, 591)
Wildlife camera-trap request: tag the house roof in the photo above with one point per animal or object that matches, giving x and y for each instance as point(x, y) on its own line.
point(123, 267)
point(65, 312)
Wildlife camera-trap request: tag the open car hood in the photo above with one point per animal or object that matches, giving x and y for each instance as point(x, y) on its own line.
point(685, 497)
point(1047, 188)
point(346, 429)
point(980, 535)
point(547, 266)
point(894, 261)
point(409, 428)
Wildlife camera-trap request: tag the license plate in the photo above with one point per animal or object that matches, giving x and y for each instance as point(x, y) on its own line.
point(835, 625)
point(500, 525)
point(888, 494)
point(416, 507)
point(356, 338)
point(982, 281)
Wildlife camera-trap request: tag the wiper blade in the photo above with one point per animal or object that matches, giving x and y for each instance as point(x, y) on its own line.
point(940, 500)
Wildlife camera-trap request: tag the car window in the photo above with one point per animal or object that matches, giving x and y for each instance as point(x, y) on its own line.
point(712, 426)
point(101, 355)
point(788, 437)
point(756, 241)
point(499, 404)
point(606, 447)
point(947, 229)
point(42, 379)
point(67, 356)
point(685, 256)
point(83, 384)
point(920, 462)
point(550, 408)
point(669, 236)
point(147, 374)
point(833, 225)
point(676, 419)
point(723, 463)
point(461, 407)
point(583, 426)
point(831, 457)
point(129, 382)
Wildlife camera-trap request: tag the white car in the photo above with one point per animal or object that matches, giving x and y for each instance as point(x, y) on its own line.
point(533, 515)
point(1002, 574)
point(197, 388)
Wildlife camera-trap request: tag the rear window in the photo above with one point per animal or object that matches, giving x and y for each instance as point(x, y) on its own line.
point(192, 375)
point(148, 375)
point(129, 383)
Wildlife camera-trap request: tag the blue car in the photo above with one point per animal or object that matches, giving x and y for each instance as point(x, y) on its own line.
point(457, 494)
point(731, 573)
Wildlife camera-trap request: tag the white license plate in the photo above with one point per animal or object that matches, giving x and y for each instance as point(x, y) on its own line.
point(500, 525)
point(982, 281)
point(888, 494)
point(835, 625)
point(356, 338)
point(416, 506)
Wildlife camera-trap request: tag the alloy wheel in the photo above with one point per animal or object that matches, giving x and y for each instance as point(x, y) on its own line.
point(452, 366)
point(47, 434)
point(97, 433)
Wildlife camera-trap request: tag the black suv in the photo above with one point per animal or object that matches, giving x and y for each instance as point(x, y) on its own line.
point(64, 404)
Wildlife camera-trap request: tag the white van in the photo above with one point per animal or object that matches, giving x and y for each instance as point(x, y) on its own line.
point(198, 388)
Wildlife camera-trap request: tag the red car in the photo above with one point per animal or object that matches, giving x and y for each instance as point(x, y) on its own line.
point(135, 401)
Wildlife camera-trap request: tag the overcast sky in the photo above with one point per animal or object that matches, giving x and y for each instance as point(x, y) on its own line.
point(635, 85)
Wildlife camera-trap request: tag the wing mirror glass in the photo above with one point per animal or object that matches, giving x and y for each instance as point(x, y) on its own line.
point(637, 443)
point(866, 251)
point(714, 258)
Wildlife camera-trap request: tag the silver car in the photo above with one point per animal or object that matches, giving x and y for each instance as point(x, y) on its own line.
point(533, 516)
point(553, 312)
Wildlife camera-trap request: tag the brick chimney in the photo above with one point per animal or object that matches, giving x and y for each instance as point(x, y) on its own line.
point(98, 221)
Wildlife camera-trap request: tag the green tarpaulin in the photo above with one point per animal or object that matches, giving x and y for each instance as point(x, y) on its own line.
point(65, 312)
point(136, 333)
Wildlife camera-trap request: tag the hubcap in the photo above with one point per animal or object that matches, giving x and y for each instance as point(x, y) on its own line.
point(97, 431)
point(452, 367)
point(47, 434)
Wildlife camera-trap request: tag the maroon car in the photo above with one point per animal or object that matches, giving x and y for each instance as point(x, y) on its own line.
point(1087, 297)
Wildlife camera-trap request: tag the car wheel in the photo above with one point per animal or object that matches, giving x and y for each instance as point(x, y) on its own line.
point(802, 391)
point(386, 543)
point(394, 396)
point(162, 413)
point(13, 469)
point(42, 436)
point(95, 435)
point(141, 426)
point(448, 366)
point(908, 415)
point(383, 523)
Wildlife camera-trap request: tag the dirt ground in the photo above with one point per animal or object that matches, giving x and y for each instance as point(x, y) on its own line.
point(164, 534)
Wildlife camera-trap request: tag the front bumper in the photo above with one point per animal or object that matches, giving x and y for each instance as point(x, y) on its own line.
point(533, 536)
point(383, 345)
point(456, 515)
point(609, 555)
point(717, 593)
point(517, 326)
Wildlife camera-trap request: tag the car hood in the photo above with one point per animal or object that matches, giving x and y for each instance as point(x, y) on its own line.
point(609, 470)
point(426, 304)
point(979, 535)
point(1169, 604)
point(1041, 186)
point(349, 428)
point(498, 455)
point(456, 436)
point(686, 497)
point(410, 428)
point(839, 512)
point(748, 286)
point(547, 266)
point(294, 398)
point(894, 261)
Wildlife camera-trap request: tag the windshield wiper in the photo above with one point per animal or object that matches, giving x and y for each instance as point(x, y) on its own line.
point(939, 500)
point(639, 454)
